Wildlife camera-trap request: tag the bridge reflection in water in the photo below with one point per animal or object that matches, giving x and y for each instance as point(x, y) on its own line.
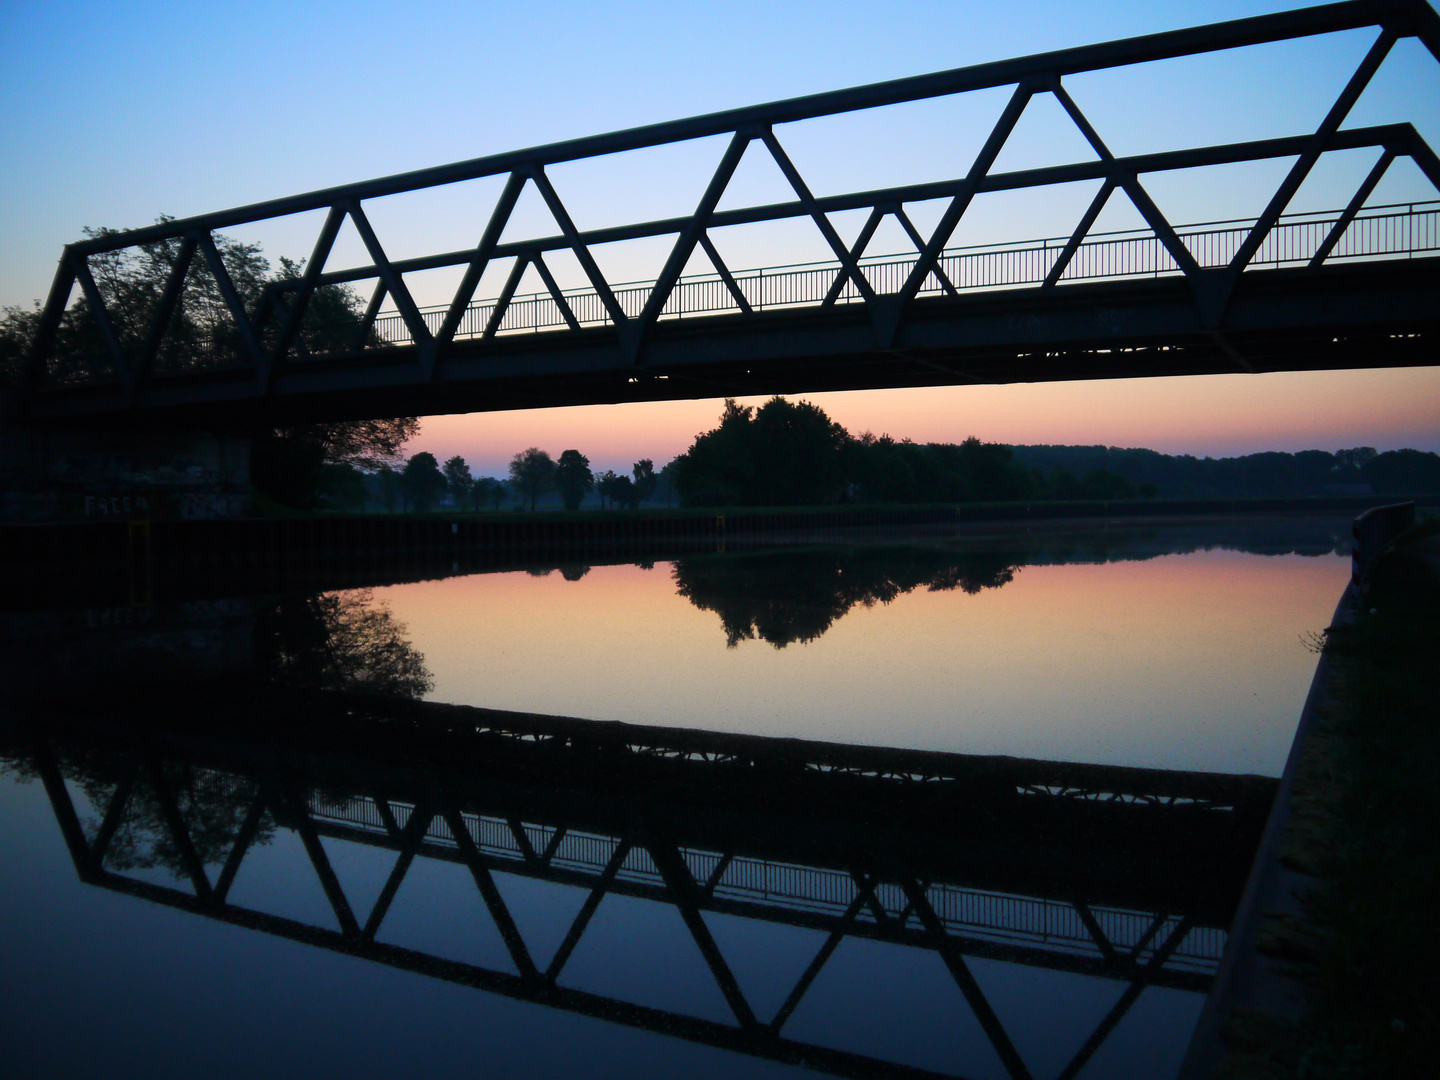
point(1124, 874)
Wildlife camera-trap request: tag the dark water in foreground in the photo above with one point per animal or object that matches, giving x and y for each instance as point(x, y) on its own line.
point(292, 835)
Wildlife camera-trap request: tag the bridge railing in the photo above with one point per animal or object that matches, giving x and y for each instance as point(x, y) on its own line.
point(763, 884)
point(1402, 230)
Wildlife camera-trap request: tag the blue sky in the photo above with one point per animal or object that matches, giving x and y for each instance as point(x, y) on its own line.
point(112, 114)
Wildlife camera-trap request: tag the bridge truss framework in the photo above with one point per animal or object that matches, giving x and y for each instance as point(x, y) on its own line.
point(1274, 293)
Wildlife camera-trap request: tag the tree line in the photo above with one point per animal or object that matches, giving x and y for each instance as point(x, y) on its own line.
point(793, 454)
point(423, 484)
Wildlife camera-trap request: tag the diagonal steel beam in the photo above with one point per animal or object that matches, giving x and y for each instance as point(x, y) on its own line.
point(527, 850)
point(898, 210)
point(114, 814)
point(372, 309)
point(856, 250)
point(960, 971)
point(676, 876)
point(808, 976)
point(502, 303)
point(52, 314)
point(689, 235)
point(174, 287)
point(554, 845)
point(1126, 176)
point(1087, 221)
point(101, 315)
point(556, 294)
point(301, 300)
point(414, 321)
point(1128, 998)
point(179, 833)
point(724, 271)
point(930, 254)
point(1423, 155)
point(586, 912)
point(248, 830)
point(410, 840)
point(296, 809)
point(477, 261)
point(504, 921)
point(1348, 215)
point(1302, 167)
point(249, 340)
point(827, 230)
point(1092, 927)
point(577, 245)
point(713, 881)
point(47, 765)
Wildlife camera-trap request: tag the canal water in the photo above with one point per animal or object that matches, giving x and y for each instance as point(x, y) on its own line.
point(963, 806)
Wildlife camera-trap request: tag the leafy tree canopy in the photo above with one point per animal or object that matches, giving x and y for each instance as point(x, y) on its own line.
point(459, 484)
point(422, 482)
point(533, 473)
point(573, 478)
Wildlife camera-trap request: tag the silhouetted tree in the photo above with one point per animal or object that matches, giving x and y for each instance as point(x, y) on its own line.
point(486, 491)
point(458, 482)
point(387, 487)
point(782, 454)
point(288, 464)
point(621, 491)
point(343, 487)
point(422, 482)
point(645, 479)
point(605, 484)
point(533, 473)
point(573, 478)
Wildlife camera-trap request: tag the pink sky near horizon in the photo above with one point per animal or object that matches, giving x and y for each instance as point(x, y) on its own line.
point(1204, 415)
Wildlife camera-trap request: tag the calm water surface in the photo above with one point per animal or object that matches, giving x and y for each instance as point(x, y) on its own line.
point(1176, 649)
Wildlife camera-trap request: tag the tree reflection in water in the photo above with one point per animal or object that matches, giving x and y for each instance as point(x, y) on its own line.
point(339, 641)
point(788, 596)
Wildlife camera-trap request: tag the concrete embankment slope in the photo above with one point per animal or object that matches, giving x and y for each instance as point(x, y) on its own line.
point(1332, 964)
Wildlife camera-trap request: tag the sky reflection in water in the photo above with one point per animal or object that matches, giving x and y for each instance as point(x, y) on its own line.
point(1180, 661)
point(1192, 661)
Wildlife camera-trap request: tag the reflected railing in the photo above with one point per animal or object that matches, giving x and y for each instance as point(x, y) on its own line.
point(1121, 874)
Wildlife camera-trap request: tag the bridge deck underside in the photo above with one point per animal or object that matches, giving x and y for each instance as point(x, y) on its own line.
point(1348, 316)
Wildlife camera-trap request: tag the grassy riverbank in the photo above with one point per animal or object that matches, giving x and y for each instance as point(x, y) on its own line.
point(1364, 824)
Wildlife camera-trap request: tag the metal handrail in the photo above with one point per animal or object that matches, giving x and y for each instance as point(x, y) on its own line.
point(1129, 253)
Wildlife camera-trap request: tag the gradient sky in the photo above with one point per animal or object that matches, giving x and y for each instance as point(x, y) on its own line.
point(113, 114)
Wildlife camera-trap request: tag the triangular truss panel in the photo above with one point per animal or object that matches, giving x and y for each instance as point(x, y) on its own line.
point(1404, 90)
point(654, 939)
point(599, 191)
point(929, 139)
point(1170, 104)
point(915, 1016)
point(1233, 196)
point(757, 180)
point(1044, 136)
point(437, 910)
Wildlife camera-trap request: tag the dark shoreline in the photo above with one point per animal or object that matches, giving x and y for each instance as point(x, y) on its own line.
point(130, 563)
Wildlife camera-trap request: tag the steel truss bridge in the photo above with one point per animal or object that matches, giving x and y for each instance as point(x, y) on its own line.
point(1126, 874)
point(1355, 287)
